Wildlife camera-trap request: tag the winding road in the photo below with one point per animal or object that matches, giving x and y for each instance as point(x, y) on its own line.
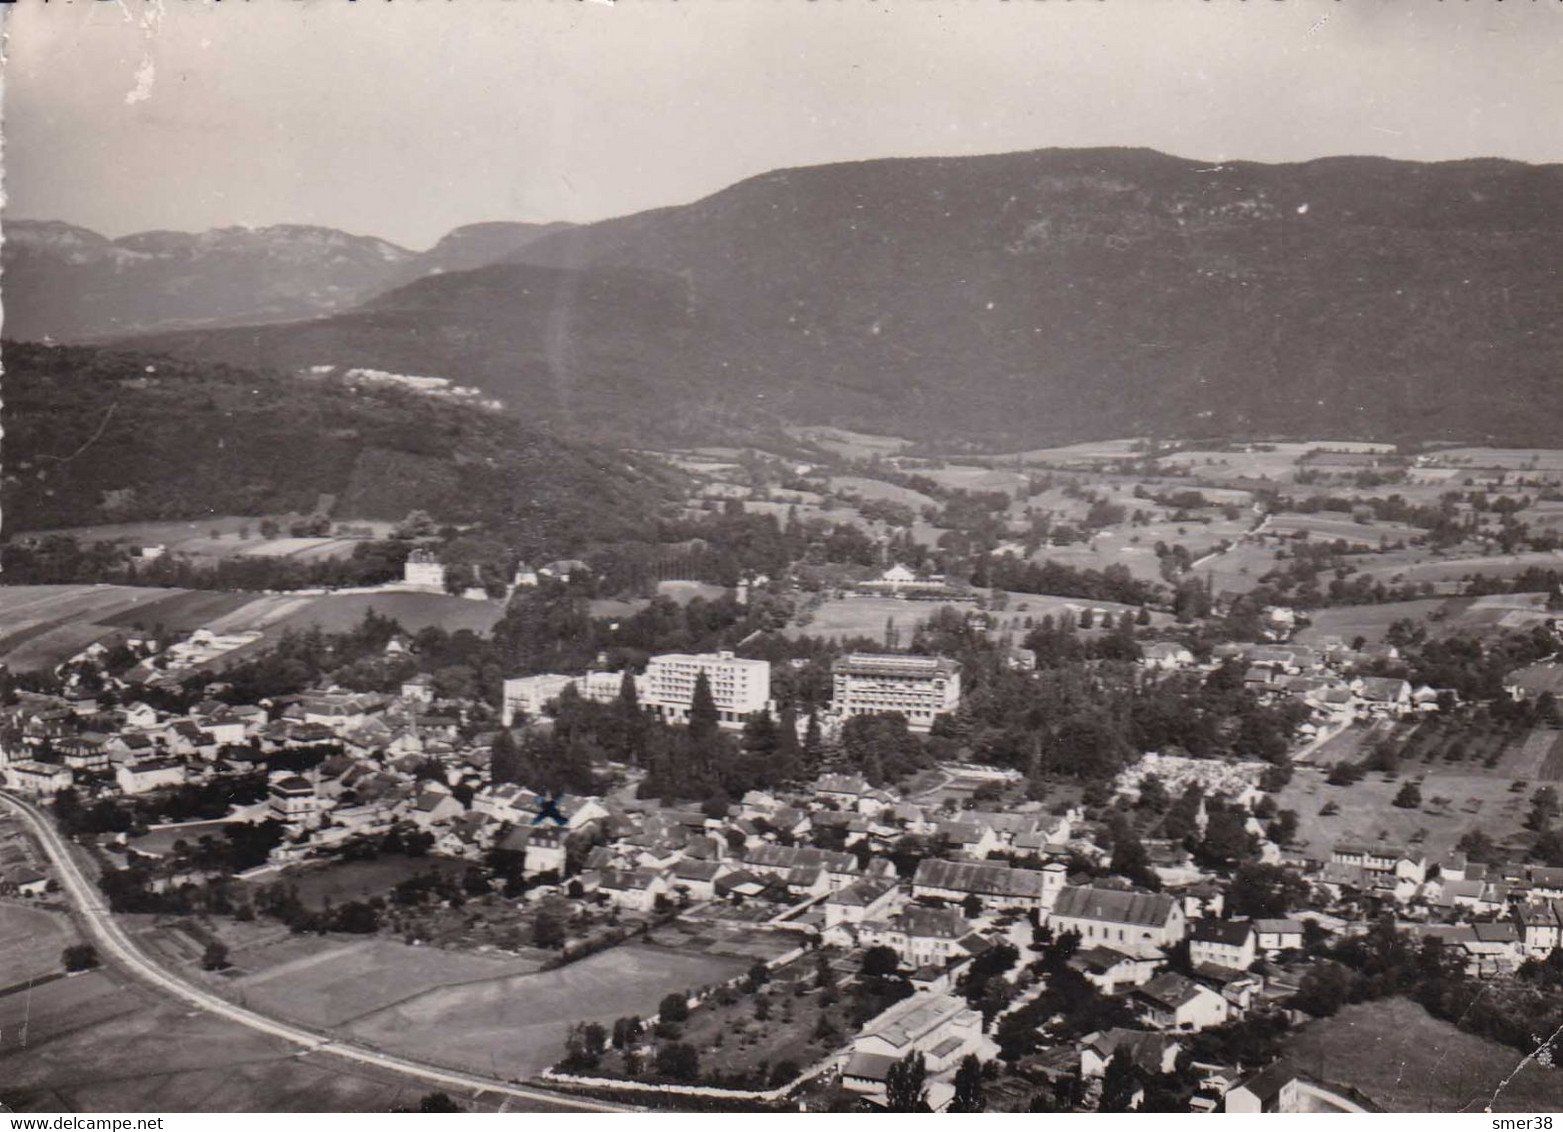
point(112, 940)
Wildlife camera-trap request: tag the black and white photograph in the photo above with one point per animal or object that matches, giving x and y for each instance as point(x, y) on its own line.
point(780, 556)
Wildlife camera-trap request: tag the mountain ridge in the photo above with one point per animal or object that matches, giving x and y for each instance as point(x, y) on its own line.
point(69, 282)
point(1010, 299)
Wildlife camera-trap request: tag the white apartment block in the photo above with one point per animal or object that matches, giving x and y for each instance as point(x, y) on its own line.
point(740, 687)
point(529, 695)
point(919, 687)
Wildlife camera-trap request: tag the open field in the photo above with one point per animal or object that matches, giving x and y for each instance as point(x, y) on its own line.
point(1439, 616)
point(516, 1027)
point(331, 981)
point(194, 538)
point(1135, 547)
point(361, 880)
point(1479, 799)
point(865, 617)
point(686, 592)
point(40, 626)
point(1089, 452)
point(1347, 622)
point(1454, 569)
point(183, 610)
point(336, 613)
point(713, 934)
point(852, 445)
point(1280, 465)
point(1327, 526)
point(970, 477)
point(31, 940)
point(1507, 459)
point(95, 1044)
point(1238, 570)
point(1408, 1061)
point(261, 613)
point(879, 489)
point(160, 842)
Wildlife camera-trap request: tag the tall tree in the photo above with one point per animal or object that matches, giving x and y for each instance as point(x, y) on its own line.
point(1118, 1082)
point(968, 1086)
point(789, 755)
point(906, 1085)
point(703, 716)
point(813, 746)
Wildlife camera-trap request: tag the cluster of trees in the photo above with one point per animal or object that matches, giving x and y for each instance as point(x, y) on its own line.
point(202, 801)
point(1384, 962)
point(695, 760)
point(57, 559)
point(108, 438)
point(1114, 583)
point(1089, 722)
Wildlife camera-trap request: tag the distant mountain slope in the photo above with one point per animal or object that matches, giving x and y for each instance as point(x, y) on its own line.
point(477, 245)
point(72, 284)
point(1014, 299)
point(93, 436)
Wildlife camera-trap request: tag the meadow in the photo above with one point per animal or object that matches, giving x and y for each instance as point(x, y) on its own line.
point(97, 1044)
point(31, 940)
point(1479, 799)
point(515, 1027)
point(1408, 1061)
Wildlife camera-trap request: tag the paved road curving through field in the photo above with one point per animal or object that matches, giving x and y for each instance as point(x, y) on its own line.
point(111, 939)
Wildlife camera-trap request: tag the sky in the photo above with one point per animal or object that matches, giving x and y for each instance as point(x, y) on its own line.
point(406, 118)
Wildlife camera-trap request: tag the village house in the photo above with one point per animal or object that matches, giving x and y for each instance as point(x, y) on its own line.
point(1490, 949)
point(1394, 861)
point(923, 936)
point(432, 807)
point(1226, 943)
point(696, 879)
point(634, 890)
point(87, 752)
point(1383, 695)
point(1541, 926)
point(866, 899)
point(23, 880)
point(1166, 655)
point(1151, 1052)
point(37, 780)
point(292, 801)
point(1174, 1002)
point(1529, 683)
point(1112, 971)
point(994, 885)
point(149, 774)
point(969, 840)
point(1138, 923)
point(836, 870)
point(845, 790)
point(1283, 1088)
point(1276, 936)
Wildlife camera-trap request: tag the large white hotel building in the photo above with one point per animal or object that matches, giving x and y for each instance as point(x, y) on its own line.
point(919, 687)
point(739, 687)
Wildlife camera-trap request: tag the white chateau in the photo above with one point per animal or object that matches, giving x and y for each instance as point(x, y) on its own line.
point(423, 568)
point(919, 687)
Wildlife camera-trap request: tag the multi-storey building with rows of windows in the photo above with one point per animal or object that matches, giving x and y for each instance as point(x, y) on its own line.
point(919, 687)
point(740, 687)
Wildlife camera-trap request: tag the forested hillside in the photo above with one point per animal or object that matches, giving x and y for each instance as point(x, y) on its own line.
point(95, 437)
